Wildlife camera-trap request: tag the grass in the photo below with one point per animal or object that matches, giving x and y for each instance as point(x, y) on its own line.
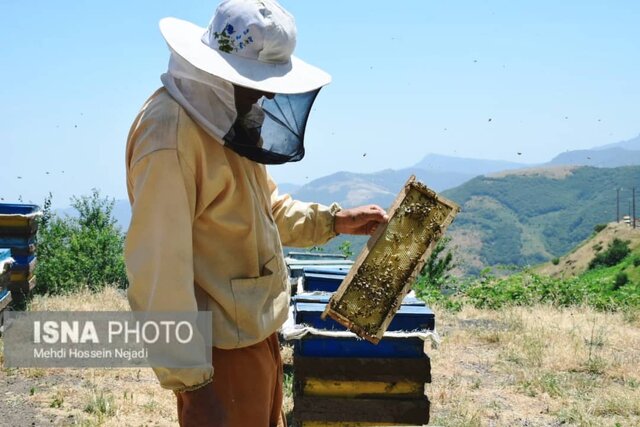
point(534, 366)
point(100, 405)
point(537, 366)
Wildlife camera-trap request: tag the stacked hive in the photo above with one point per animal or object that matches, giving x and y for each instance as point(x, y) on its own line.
point(303, 265)
point(341, 380)
point(18, 228)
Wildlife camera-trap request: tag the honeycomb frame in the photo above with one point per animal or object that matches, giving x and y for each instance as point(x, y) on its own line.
point(386, 268)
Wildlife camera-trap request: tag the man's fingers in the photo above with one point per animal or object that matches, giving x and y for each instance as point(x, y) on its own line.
point(378, 209)
point(361, 220)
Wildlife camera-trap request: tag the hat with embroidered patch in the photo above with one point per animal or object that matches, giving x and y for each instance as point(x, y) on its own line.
point(249, 43)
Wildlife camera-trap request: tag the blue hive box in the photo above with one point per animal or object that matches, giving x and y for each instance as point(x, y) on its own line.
point(322, 346)
point(23, 248)
point(413, 314)
point(314, 256)
point(297, 267)
point(325, 281)
point(335, 270)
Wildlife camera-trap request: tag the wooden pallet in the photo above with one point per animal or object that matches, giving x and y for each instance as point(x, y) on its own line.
point(387, 267)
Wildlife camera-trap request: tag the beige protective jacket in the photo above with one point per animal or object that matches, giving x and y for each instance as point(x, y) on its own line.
point(207, 231)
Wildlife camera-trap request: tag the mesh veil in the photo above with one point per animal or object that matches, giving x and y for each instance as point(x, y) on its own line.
point(273, 131)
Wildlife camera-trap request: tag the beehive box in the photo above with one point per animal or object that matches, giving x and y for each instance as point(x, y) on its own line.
point(322, 281)
point(314, 256)
point(386, 268)
point(18, 219)
point(413, 314)
point(23, 272)
point(298, 267)
point(23, 248)
point(312, 262)
point(360, 391)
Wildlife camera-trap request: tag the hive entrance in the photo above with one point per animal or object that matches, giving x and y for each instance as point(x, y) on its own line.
point(386, 268)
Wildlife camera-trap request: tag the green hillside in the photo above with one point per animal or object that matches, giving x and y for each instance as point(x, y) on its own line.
point(606, 285)
point(530, 216)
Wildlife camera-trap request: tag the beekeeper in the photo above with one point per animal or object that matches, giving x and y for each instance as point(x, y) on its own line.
point(208, 223)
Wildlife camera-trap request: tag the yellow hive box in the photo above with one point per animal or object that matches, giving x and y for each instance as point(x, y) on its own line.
point(18, 219)
point(337, 388)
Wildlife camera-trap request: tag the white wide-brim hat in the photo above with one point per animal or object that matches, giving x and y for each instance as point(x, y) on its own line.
point(258, 39)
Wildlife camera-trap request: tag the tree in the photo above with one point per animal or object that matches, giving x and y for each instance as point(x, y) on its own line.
point(616, 252)
point(435, 273)
point(87, 250)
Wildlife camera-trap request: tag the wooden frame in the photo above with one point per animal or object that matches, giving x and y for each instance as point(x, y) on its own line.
point(439, 219)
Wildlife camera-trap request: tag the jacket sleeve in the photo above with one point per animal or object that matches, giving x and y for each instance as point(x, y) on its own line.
point(301, 224)
point(159, 256)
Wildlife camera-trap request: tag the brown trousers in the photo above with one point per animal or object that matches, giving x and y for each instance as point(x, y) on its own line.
point(248, 382)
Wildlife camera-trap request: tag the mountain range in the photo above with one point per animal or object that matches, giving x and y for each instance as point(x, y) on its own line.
point(513, 213)
point(441, 172)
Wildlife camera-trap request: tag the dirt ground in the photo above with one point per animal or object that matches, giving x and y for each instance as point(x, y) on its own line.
point(529, 367)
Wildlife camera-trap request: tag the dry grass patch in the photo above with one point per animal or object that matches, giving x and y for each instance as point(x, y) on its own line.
point(536, 366)
point(109, 299)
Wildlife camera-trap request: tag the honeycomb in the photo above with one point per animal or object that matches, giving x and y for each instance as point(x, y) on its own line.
point(387, 267)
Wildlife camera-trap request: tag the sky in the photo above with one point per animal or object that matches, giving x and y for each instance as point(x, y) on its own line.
point(471, 78)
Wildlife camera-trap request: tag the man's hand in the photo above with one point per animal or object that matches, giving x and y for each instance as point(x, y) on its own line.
point(360, 220)
point(201, 408)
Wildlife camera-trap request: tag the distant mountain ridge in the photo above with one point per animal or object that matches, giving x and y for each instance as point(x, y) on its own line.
point(354, 189)
point(439, 172)
point(623, 153)
point(630, 144)
point(442, 172)
point(605, 157)
point(468, 166)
